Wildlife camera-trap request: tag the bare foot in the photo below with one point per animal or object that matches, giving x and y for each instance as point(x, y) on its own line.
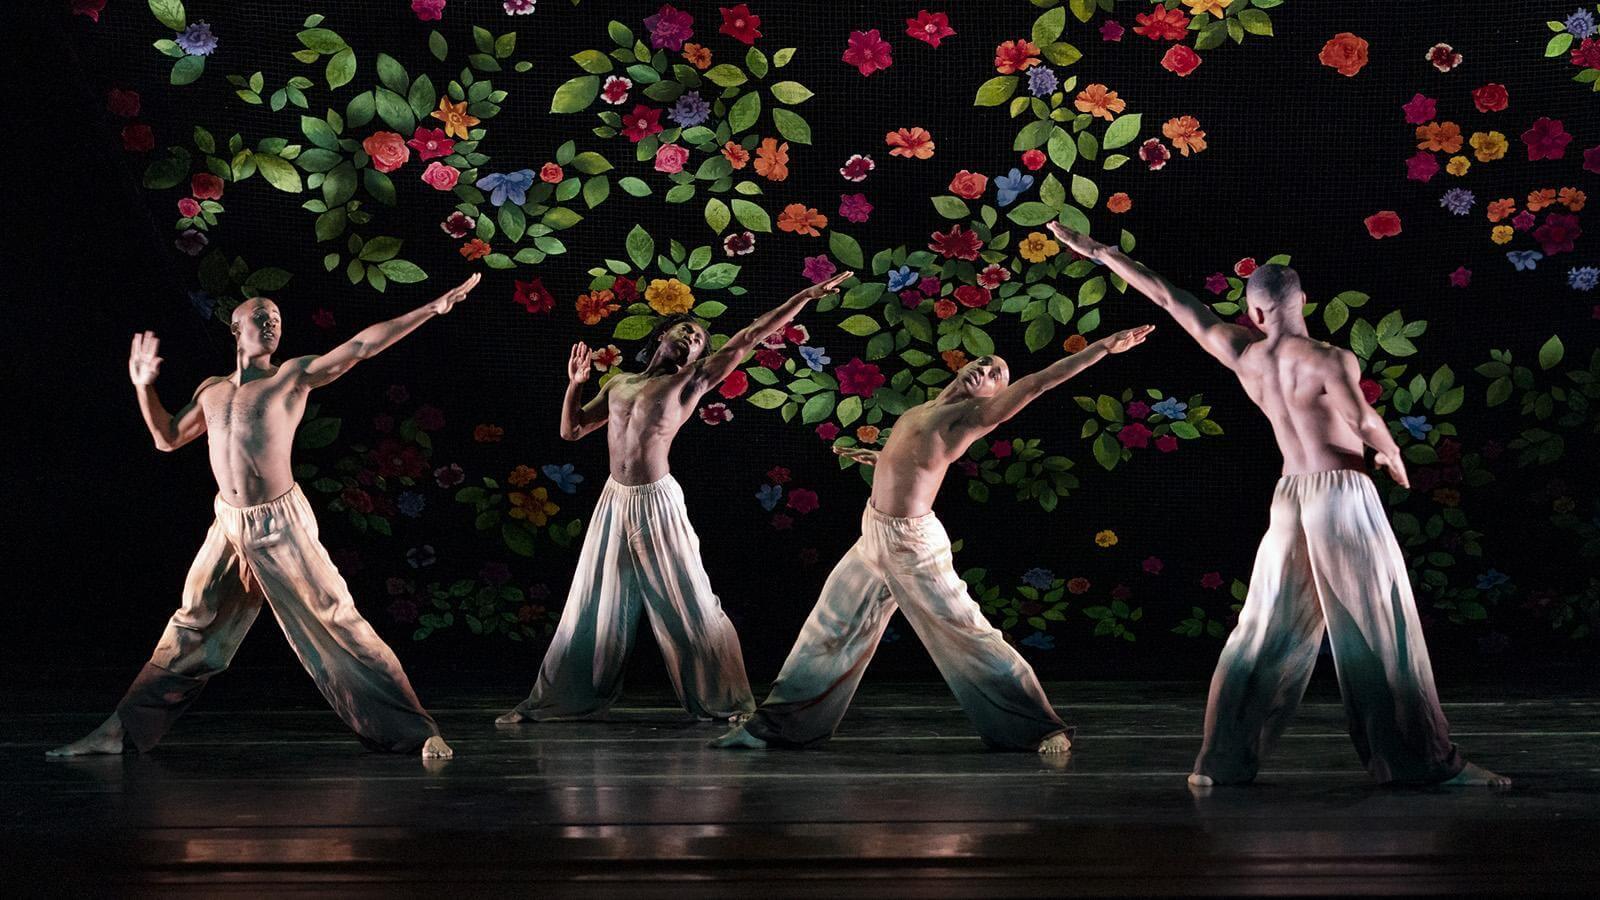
point(511, 718)
point(738, 719)
point(106, 739)
point(436, 748)
point(738, 739)
point(1475, 775)
point(1055, 743)
point(1198, 780)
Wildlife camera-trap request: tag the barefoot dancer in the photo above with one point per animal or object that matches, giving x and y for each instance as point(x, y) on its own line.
point(263, 546)
point(640, 552)
point(1329, 559)
point(903, 559)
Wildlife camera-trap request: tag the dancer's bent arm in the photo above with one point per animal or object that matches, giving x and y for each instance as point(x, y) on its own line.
point(1345, 392)
point(168, 430)
point(579, 418)
point(316, 371)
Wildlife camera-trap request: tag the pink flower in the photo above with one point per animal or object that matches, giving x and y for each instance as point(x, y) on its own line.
point(827, 431)
point(440, 177)
point(1422, 166)
point(993, 275)
point(860, 378)
point(1001, 449)
point(855, 207)
point(1138, 409)
point(929, 28)
point(448, 476)
point(818, 268)
point(769, 358)
point(671, 157)
point(428, 10)
point(122, 103)
point(669, 28)
point(431, 143)
point(1421, 110)
point(868, 52)
point(387, 149)
point(1383, 224)
point(857, 167)
point(1216, 282)
point(778, 475)
point(1557, 233)
point(458, 224)
point(1134, 435)
point(1154, 153)
point(1591, 159)
point(1111, 30)
point(1166, 443)
point(715, 413)
point(968, 467)
point(802, 501)
point(188, 207)
point(1033, 160)
point(1547, 139)
point(1371, 391)
point(616, 89)
point(1461, 277)
point(929, 286)
point(89, 9)
point(1522, 221)
point(550, 173)
point(1211, 580)
point(1153, 565)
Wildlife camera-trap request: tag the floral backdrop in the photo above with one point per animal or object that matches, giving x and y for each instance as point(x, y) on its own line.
point(1425, 167)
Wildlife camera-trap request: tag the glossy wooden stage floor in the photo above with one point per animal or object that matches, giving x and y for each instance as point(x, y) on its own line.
point(248, 795)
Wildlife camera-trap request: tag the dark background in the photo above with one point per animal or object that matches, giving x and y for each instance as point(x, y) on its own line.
point(99, 528)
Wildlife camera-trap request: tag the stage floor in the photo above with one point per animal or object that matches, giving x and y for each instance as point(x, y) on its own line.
point(244, 798)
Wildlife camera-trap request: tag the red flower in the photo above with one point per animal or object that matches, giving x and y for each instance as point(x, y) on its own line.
point(766, 356)
point(429, 418)
point(1134, 435)
point(550, 173)
point(868, 52)
point(1033, 159)
point(1547, 139)
point(1154, 153)
point(137, 137)
point(1162, 24)
point(431, 143)
point(802, 501)
point(356, 499)
point(715, 413)
point(1166, 443)
point(1587, 54)
point(1244, 267)
point(122, 103)
point(625, 288)
point(944, 309)
point(1383, 224)
point(969, 185)
point(1345, 53)
point(1001, 449)
point(458, 224)
point(778, 475)
point(782, 522)
point(1557, 233)
point(616, 89)
point(188, 207)
point(994, 275)
point(641, 123)
point(205, 186)
point(735, 384)
point(534, 296)
point(739, 24)
point(1491, 97)
point(89, 9)
point(1444, 57)
point(395, 459)
point(1015, 56)
point(1461, 277)
point(1371, 390)
point(857, 167)
point(1153, 565)
point(387, 149)
point(827, 431)
point(956, 244)
point(929, 28)
point(972, 296)
point(857, 377)
point(1211, 580)
point(1180, 60)
point(1422, 166)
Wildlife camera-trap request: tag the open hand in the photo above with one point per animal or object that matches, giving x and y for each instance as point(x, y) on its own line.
point(823, 289)
point(1395, 468)
point(1126, 340)
point(578, 367)
point(1081, 244)
point(143, 363)
point(455, 295)
point(858, 454)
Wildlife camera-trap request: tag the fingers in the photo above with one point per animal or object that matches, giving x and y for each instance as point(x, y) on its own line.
point(837, 280)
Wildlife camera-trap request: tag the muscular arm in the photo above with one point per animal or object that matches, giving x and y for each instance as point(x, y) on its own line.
point(712, 370)
point(1221, 339)
point(1344, 392)
point(1010, 400)
point(169, 431)
point(317, 371)
point(579, 418)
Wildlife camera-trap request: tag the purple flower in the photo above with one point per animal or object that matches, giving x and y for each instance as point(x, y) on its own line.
point(1580, 24)
point(669, 28)
point(1038, 578)
point(690, 110)
point(410, 504)
point(518, 7)
point(1583, 278)
point(1522, 221)
point(819, 268)
point(191, 242)
point(1458, 201)
point(854, 207)
point(204, 304)
point(1111, 30)
point(1042, 81)
point(197, 39)
point(1216, 282)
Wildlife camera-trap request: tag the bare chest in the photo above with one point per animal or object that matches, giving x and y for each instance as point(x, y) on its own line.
point(649, 398)
point(261, 406)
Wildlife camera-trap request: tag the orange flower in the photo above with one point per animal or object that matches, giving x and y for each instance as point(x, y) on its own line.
point(1346, 53)
point(915, 142)
point(1079, 585)
point(1119, 202)
point(772, 159)
point(596, 305)
point(455, 118)
point(1075, 343)
point(1185, 134)
point(867, 434)
point(954, 359)
point(698, 56)
point(1501, 208)
point(802, 219)
point(522, 476)
point(475, 249)
point(1573, 199)
point(1015, 56)
point(1539, 199)
point(488, 434)
point(1098, 101)
point(735, 154)
point(1444, 136)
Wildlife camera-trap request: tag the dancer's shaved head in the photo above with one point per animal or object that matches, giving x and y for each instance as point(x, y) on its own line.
point(1272, 286)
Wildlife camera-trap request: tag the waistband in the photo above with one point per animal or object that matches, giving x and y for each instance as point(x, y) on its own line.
point(1328, 477)
point(873, 515)
point(665, 482)
point(287, 496)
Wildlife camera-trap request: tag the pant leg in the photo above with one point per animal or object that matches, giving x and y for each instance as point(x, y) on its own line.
point(199, 642)
point(1378, 648)
point(582, 670)
point(995, 685)
point(824, 669)
point(698, 642)
point(1268, 659)
point(354, 669)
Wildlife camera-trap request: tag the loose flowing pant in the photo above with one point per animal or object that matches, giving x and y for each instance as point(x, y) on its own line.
point(270, 553)
point(904, 562)
point(641, 553)
point(1329, 559)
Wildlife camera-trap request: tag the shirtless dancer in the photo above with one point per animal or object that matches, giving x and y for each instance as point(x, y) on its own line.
point(263, 546)
point(640, 551)
point(903, 559)
point(1328, 560)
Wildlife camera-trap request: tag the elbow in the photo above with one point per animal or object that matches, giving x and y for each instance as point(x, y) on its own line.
point(571, 433)
point(166, 446)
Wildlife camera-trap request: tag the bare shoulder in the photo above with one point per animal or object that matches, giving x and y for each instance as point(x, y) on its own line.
point(208, 383)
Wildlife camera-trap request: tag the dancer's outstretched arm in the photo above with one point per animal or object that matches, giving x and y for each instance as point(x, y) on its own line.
point(858, 454)
point(1223, 340)
point(579, 418)
point(316, 371)
point(712, 370)
point(1011, 400)
point(168, 430)
point(1344, 392)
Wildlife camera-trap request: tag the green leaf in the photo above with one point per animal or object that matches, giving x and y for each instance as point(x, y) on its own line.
point(791, 125)
point(576, 94)
point(402, 271)
point(1083, 9)
point(1031, 213)
point(860, 325)
point(1558, 44)
point(317, 433)
point(1049, 26)
point(717, 276)
point(791, 92)
point(395, 111)
point(170, 13)
point(1255, 21)
point(768, 398)
point(392, 74)
point(717, 215)
point(620, 34)
point(818, 407)
point(632, 328)
point(1084, 191)
point(1040, 333)
point(634, 187)
point(726, 75)
point(1061, 148)
point(641, 247)
point(1551, 353)
point(1062, 53)
point(751, 216)
point(951, 207)
point(278, 172)
point(996, 91)
point(321, 40)
point(1122, 131)
point(438, 46)
point(422, 98)
point(756, 62)
point(188, 69)
point(782, 57)
point(847, 249)
point(746, 110)
point(1107, 452)
point(341, 68)
point(596, 190)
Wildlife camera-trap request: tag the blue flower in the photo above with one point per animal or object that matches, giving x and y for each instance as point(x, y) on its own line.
point(421, 557)
point(1458, 201)
point(410, 504)
point(890, 635)
point(1417, 425)
point(1524, 260)
point(769, 495)
point(1492, 579)
point(815, 357)
point(564, 477)
point(1042, 82)
point(1038, 578)
point(197, 39)
point(1172, 408)
point(1007, 187)
point(902, 278)
point(1580, 24)
point(511, 186)
point(1040, 641)
point(1583, 278)
point(690, 110)
point(203, 303)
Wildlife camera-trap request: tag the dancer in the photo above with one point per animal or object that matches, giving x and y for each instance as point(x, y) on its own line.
point(641, 552)
point(903, 560)
point(263, 545)
point(1328, 560)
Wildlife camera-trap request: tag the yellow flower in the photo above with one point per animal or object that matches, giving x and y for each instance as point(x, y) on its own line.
point(1105, 538)
point(1201, 7)
point(669, 295)
point(1458, 165)
point(1490, 145)
point(534, 506)
point(455, 118)
point(1501, 234)
point(1036, 247)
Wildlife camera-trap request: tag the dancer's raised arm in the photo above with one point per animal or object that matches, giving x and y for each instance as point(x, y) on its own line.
point(718, 366)
point(316, 371)
point(579, 418)
point(1014, 397)
point(170, 431)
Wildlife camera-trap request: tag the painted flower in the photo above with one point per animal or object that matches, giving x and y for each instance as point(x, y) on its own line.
point(929, 28)
point(1075, 344)
point(1558, 233)
point(818, 268)
point(1385, 223)
point(1501, 208)
point(474, 249)
point(1154, 154)
point(815, 357)
point(1042, 81)
point(1166, 443)
point(1078, 585)
point(518, 7)
point(1015, 56)
point(1571, 198)
point(1201, 7)
point(428, 10)
point(1492, 97)
point(550, 173)
point(1039, 579)
point(1111, 30)
point(1420, 110)
point(1422, 166)
point(522, 476)
point(430, 143)
point(1172, 408)
point(89, 9)
point(954, 360)
point(534, 297)
point(1180, 60)
point(739, 24)
point(1185, 134)
point(956, 244)
point(739, 243)
point(969, 185)
point(191, 242)
point(690, 110)
point(1134, 436)
point(855, 207)
point(1458, 165)
point(197, 39)
point(1583, 278)
point(715, 413)
point(994, 275)
point(122, 103)
point(946, 308)
point(1587, 54)
point(1245, 267)
point(859, 378)
point(1097, 100)
point(616, 89)
point(605, 357)
point(1547, 139)
point(801, 219)
point(1461, 277)
point(768, 496)
point(1011, 185)
point(1033, 160)
point(1371, 391)
point(802, 501)
point(458, 224)
point(1037, 247)
point(488, 434)
point(387, 149)
point(901, 278)
point(439, 176)
point(1435, 136)
point(1580, 24)
point(1106, 538)
point(1501, 234)
point(533, 507)
point(670, 158)
point(641, 123)
point(1492, 579)
point(868, 52)
point(1216, 282)
point(972, 296)
point(1344, 53)
point(448, 476)
point(1458, 201)
point(668, 296)
point(1137, 409)
point(455, 118)
point(737, 156)
point(913, 142)
point(595, 306)
point(1443, 56)
point(772, 159)
point(669, 28)
point(1522, 221)
point(1162, 24)
point(1418, 426)
point(188, 207)
point(506, 187)
point(734, 385)
point(697, 56)
point(1211, 580)
point(1489, 145)
point(857, 167)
